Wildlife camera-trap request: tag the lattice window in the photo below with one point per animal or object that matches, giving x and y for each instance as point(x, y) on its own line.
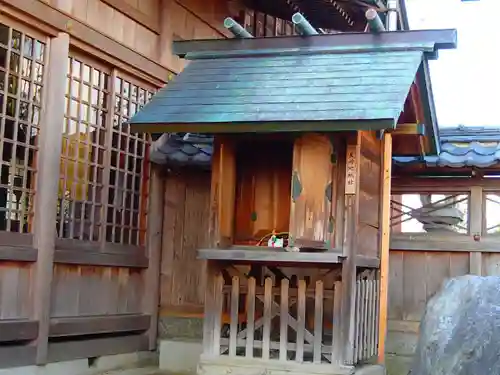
point(420, 213)
point(82, 159)
point(22, 60)
point(491, 217)
point(129, 171)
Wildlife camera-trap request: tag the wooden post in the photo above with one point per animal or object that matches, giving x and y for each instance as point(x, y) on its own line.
point(385, 227)
point(222, 193)
point(153, 250)
point(49, 159)
point(349, 266)
point(476, 210)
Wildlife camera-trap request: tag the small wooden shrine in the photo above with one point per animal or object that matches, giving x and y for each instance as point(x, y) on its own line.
point(304, 129)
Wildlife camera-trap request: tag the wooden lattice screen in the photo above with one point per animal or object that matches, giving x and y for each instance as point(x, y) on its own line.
point(22, 60)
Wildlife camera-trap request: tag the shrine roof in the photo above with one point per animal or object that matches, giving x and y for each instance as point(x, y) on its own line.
point(462, 147)
point(331, 82)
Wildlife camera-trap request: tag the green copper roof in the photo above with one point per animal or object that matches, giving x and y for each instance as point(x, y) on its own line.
point(291, 84)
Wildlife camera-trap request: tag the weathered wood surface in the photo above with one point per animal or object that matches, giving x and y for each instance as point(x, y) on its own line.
point(313, 195)
point(384, 245)
point(15, 290)
point(185, 229)
point(262, 189)
point(223, 192)
point(269, 255)
point(369, 195)
point(297, 327)
point(90, 291)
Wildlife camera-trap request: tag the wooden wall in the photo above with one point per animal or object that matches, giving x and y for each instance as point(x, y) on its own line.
point(139, 33)
point(185, 229)
point(421, 262)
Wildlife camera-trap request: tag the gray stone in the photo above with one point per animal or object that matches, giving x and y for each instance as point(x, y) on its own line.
point(180, 328)
point(460, 331)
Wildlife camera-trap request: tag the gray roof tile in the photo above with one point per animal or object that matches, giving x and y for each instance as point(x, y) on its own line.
point(473, 147)
point(463, 147)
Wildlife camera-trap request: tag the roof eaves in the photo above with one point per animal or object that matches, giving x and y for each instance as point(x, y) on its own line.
point(427, 99)
point(441, 39)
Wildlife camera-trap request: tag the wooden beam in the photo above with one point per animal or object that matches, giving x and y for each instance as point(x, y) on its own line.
point(385, 229)
point(476, 209)
point(18, 254)
point(424, 142)
point(16, 239)
point(68, 350)
point(98, 325)
point(246, 254)
point(182, 311)
point(94, 258)
point(18, 330)
point(151, 23)
point(49, 159)
point(366, 261)
point(442, 39)
point(351, 196)
point(54, 21)
point(151, 299)
point(408, 184)
point(408, 129)
point(448, 243)
point(67, 244)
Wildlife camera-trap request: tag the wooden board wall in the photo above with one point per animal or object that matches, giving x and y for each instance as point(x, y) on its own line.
point(185, 229)
point(150, 26)
point(414, 277)
point(89, 291)
point(15, 298)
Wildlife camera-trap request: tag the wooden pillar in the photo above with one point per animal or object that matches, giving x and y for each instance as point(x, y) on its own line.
point(49, 158)
point(476, 204)
point(349, 266)
point(153, 249)
point(222, 193)
point(385, 227)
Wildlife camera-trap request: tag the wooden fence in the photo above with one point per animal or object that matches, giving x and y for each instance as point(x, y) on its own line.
point(79, 271)
point(286, 318)
point(421, 262)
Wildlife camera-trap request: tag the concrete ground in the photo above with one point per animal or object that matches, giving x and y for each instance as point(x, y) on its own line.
point(137, 371)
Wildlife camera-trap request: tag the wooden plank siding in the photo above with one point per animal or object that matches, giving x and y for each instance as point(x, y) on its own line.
point(185, 229)
point(421, 262)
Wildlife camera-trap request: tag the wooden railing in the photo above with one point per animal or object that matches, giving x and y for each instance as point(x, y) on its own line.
point(278, 320)
point(366, 336)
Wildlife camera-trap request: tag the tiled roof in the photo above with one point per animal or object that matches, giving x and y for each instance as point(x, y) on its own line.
point(463, 147)
point(182, 149)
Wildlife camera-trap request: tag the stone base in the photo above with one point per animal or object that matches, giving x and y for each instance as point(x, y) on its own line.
point(124, 363)
point(257, 366)
point(397, 364)
point(370, 370)
point(180, 356)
